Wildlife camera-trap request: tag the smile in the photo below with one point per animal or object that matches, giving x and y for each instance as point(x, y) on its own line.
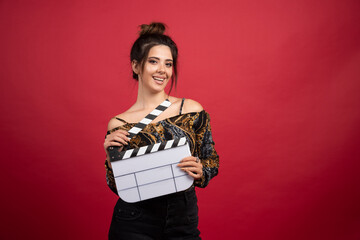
point(159, 79)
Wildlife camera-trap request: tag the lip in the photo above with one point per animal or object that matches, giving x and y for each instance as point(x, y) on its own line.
point(159, 79)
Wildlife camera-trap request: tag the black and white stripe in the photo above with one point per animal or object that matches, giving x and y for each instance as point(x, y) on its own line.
point(151, 116)
point(113, 151)
point(149, 149)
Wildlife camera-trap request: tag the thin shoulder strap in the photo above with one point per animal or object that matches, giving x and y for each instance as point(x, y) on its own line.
point(122, 120)
point(181, 106)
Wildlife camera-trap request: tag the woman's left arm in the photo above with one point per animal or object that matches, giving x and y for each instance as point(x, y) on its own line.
point(205, 149)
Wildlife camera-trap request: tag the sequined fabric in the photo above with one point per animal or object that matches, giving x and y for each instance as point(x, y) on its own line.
point(195, 126)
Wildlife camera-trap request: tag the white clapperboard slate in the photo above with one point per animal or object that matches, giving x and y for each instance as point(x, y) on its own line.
point(150, 171)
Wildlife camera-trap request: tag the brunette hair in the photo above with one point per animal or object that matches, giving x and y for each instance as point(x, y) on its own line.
point(150, 36)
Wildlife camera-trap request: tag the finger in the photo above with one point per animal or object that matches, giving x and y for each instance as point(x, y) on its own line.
point(122, 131)
point(118, 134)
point(115, 140)
point(121, 140)
point(188, 159)
point(115, 144)
point(190, 164)
point(187, 164)
point(195, 176)
point(192, 169)
point(123, 136)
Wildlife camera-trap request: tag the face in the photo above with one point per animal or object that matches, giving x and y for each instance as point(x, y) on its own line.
point(157, 69)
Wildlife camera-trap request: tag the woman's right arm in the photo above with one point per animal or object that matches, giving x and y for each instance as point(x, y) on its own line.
point(114, 137)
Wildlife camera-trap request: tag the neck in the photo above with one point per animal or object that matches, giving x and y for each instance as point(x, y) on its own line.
point(146, 99)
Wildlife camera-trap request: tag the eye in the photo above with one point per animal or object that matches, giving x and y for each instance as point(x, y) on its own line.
point(152, 61)
point(169, 64)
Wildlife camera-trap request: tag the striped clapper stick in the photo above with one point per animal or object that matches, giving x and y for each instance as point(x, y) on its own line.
point(142, 124)
point(150, 171)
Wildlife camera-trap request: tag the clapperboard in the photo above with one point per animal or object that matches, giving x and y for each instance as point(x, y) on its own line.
point(150, 171)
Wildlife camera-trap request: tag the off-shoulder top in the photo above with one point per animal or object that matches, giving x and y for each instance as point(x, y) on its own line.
point(195, 126)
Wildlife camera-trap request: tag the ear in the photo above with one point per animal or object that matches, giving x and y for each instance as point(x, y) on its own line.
point(135, 67)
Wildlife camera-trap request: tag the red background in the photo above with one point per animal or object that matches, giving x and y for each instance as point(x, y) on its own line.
point(280, 80)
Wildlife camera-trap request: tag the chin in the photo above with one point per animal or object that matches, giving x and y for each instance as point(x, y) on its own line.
point(159, 88)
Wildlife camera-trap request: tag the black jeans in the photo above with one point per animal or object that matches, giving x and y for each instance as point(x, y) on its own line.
point(170, 217)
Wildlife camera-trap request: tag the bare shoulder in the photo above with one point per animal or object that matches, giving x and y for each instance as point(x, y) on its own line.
point(116, 121)
point(192, 106)
point(175, 100)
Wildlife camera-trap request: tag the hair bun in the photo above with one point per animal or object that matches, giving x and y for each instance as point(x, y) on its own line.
point(152, 28)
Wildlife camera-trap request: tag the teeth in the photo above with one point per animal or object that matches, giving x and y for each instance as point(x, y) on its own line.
point(159, 79)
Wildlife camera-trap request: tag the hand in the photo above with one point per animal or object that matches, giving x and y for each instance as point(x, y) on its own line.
point(192, 166)
point(117, 138)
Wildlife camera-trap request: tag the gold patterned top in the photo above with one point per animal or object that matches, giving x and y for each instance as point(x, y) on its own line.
point(195, 126)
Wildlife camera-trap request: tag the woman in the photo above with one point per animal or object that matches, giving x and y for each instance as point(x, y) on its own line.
point(174, 216)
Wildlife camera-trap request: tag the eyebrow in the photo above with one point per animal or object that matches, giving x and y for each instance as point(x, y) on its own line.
point(159, 59)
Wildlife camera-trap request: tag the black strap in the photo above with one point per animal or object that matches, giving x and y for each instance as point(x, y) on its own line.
point(122, 120)
point(181, 106)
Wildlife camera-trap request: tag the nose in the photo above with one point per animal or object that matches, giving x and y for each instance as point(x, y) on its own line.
point(161, 68)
